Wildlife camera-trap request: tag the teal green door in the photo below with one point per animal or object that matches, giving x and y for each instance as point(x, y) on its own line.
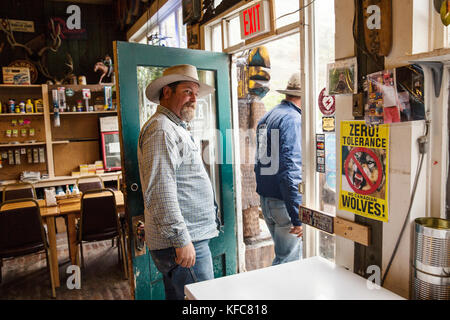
point(137, 64)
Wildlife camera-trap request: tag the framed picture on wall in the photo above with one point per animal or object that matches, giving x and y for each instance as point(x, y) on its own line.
point(193, 36)
point(191, 11)
point(342, 77)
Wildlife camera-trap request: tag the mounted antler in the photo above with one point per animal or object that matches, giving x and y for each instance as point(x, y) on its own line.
point(5, 27)
point(39, 58)
point(56, 37)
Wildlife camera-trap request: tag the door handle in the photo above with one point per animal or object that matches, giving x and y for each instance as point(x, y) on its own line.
point(134, 187)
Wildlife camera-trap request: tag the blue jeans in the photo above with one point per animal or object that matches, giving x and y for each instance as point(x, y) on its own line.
point(288, 247)
point(175, 276)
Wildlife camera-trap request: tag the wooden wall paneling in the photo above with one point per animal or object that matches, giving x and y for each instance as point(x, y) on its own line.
point(101, 29)
point(76, 127)
point(68, 156)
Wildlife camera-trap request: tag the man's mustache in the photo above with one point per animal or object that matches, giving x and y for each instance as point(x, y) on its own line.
point(189, 105)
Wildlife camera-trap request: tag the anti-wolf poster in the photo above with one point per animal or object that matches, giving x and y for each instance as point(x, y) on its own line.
point(364, 169)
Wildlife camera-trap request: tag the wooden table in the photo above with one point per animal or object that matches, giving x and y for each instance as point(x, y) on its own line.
point(72, 211)
point(309, 279)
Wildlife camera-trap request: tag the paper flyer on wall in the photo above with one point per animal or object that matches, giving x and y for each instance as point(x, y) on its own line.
point(342, 77)
point(395, 95)
point(364, 169)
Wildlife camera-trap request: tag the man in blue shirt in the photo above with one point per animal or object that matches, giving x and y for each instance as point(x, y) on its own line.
point(278, 172)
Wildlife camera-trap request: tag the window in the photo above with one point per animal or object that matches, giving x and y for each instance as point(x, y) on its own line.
point(326, 182)
point(164, 28)
point(280, 51)
point(234, 31)
point(216, 38)
point(286, 12)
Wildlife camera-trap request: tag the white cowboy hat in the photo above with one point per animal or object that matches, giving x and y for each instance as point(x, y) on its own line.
point(182, 72)
point(293, 88)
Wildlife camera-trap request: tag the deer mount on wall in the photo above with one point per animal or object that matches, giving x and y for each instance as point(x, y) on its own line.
point(38, 56)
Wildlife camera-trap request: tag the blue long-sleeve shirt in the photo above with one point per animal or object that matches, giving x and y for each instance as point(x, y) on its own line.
point(278, 165)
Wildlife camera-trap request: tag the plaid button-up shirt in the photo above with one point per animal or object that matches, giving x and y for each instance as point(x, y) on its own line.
point(177, 192)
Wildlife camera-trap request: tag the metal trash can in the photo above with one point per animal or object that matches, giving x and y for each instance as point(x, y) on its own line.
point(431, 259)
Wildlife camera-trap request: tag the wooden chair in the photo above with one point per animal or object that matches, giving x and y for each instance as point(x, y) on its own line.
point(85, 183)
point(99, 221)
point(22, 232)
point(22, 190)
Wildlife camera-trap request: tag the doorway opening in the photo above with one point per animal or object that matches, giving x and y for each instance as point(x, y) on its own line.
point(261, 70)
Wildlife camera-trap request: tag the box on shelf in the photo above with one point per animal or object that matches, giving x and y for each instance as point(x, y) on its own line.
point(98, 164)
point(91, 168)
point(108, 124)
point(13, 75)
point(84, 171)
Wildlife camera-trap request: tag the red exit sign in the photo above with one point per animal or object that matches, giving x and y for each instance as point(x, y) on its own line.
point(254, 20)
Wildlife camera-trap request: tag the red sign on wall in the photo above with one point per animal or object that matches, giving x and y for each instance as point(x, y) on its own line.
point(255, 20)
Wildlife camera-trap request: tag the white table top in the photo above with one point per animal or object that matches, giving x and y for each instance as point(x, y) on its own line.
point(309, 279)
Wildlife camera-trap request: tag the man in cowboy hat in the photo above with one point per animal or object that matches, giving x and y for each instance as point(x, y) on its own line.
point(178, 197)
point(278, 172)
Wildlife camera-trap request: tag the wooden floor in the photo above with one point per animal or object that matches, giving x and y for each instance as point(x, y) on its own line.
point(27, 278)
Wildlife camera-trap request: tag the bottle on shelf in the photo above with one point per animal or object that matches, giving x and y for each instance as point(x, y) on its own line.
point(75, 189)
point(68, 190)
point(62, 99)
point(56, 120)
point(38, 105)
point(22, 107)
point(29, 108)
point(12, 105)
point(79, 106)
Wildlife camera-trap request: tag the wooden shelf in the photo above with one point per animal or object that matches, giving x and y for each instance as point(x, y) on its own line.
point(60, 142)
point(21, 114)
point(85, 112)
point(78, 87)
point(20, 86)
point(62, 180)
point(22, 144)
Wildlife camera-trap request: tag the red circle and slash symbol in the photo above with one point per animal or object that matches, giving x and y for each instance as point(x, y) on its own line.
point(373, 186)
point(327, 104)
